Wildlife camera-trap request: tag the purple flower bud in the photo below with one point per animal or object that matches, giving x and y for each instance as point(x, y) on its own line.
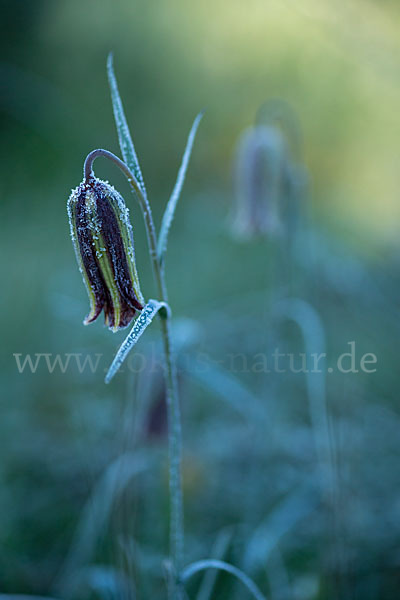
point(103, 240)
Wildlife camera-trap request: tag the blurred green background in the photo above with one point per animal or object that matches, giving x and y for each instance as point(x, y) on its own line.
point(252, 488)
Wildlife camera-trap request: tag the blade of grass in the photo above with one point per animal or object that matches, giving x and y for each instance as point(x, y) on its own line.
point(172, 202)
point(313, 332)
point(292, 509)
point(140, 325)
point(201, 565)
point(218, 552)
point(124, 136)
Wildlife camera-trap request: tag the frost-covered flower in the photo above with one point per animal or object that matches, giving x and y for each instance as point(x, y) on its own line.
point(103, 240)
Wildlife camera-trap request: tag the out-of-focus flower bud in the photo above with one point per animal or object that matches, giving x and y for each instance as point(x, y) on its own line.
point(259, 179)
point(103, 240)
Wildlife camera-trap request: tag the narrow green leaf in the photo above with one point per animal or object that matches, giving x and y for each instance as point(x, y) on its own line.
point(200, 565)
point(220, 547)
point(296, 506)
point(172, 202)
point(142, 322)
point(124, 137)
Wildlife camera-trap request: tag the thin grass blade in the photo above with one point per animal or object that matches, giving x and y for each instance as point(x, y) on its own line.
point(218, 552)
point(139, 327)
point(313, 332)
point(124, 136)
point(201, 565)
point(288, 513)
point(172, 202)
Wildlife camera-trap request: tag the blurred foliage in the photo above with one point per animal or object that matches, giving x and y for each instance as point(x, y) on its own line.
point(252, 483)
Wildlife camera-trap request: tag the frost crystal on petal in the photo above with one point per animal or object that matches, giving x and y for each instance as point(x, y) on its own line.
point(102, 236)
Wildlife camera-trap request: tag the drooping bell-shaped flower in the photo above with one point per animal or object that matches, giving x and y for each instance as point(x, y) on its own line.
point(103, 240)
point(261, 159)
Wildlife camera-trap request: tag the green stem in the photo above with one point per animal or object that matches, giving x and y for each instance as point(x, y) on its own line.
point(174, 417)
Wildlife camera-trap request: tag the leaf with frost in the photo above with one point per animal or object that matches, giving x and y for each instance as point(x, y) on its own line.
point(124, 136)
point(172, 202)
point(142, 322)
